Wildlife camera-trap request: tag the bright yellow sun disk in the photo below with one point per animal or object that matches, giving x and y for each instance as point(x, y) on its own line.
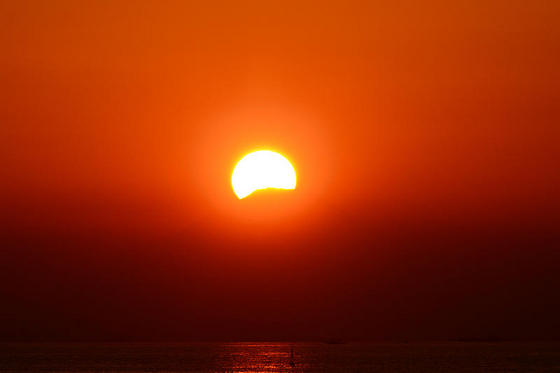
point(261, 170)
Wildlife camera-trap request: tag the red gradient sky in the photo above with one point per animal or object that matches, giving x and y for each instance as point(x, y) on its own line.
point(425, 136)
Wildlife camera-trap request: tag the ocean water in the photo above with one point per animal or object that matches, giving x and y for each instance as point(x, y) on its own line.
point(278, 357)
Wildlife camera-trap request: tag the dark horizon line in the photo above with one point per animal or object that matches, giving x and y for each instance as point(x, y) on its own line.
point(287, 341)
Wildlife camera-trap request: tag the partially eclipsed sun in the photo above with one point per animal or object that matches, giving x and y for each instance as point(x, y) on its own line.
point(261, 170)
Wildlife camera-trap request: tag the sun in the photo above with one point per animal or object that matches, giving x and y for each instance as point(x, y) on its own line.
point(261, 170)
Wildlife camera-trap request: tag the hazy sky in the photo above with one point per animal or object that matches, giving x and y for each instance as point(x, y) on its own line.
point(425, 136)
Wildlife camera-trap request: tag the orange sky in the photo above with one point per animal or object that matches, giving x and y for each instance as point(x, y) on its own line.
point(129, 116)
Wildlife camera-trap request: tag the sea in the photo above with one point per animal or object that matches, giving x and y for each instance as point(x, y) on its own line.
point(281, 357)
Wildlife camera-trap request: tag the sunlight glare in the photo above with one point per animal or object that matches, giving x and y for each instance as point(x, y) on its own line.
point(261, 170)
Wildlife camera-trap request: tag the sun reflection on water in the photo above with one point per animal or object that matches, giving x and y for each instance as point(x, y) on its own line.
point(259, 357)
